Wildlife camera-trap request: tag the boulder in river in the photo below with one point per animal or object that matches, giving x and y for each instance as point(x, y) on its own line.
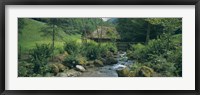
point(89, 64)
point(145, 72)
point(80, 68)
point(98, 63)
point(110, 61)
point(124, 72)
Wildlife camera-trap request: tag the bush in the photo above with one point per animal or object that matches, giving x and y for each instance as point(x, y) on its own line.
point(60, 50)
point(162, 66)
point(137, 51)
point(39, 56)
point(91, 50)
point(25, 69)
point(71, 61)
point(107, 50)
point(111, 47)
point(163, 55)
point(72, 47)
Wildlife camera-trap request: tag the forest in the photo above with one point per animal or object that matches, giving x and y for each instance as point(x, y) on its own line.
point(99, 47)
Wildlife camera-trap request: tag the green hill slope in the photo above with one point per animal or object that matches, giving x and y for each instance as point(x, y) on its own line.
point(32, 34)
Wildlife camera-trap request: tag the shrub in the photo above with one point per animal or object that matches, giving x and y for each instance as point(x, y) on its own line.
point(111, 47)
point(163, 55)
point(107, 50)
point(72, 47)
point(71, 61)
point(137, 51)
point(162, 66)
point(91, 50)
point(39, 56)
point(60, 50)
point(25, 69)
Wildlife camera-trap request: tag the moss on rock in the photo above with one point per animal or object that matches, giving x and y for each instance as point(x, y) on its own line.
point(123, 72)
point(145, 71)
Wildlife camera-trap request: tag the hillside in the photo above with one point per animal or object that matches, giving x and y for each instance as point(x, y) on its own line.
point(33, 33)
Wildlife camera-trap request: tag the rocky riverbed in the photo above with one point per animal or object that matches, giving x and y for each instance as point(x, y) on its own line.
point(109, 70)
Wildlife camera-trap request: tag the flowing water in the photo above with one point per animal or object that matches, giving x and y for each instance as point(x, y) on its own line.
point(109, 70)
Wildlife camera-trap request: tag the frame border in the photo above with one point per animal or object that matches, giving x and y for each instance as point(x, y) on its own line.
point(3, 3)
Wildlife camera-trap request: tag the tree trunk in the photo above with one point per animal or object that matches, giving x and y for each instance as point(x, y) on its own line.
point(148, 33)
point(82, 35)
point(97, 32)
point(84, 31)
point(101, 34)
point(53, 35)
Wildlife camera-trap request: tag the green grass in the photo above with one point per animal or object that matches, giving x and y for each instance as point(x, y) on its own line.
point(32, 34)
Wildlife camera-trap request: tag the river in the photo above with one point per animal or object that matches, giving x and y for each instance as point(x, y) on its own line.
point(109, 70)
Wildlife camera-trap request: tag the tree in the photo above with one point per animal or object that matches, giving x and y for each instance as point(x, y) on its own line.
point(132, 29)
point(170, 25)
point(52, 27)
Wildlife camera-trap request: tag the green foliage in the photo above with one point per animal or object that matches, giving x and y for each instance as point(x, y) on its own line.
point(111, 47)
point(32, 34)
point(71, 61)
point(72, 47)
point(91, 50)
point(137, 51)
point(169, 24)
point(163, 55)
point(39, 56)
point(21, 24)
point(25, 69)
point(162, 66)
point(112, 34)
point(141, 70)
point(135, 29)
point(160, 55)
point(108, 49)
